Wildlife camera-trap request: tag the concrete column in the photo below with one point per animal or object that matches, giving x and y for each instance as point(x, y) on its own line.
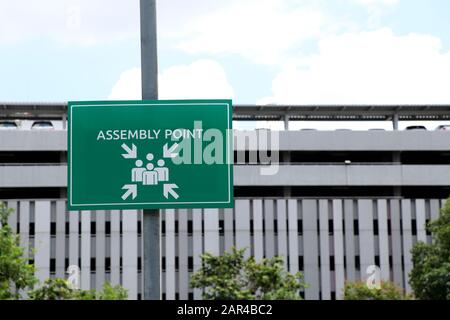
point(286, 159)
point(286, 122)
point(63, 160)
point(396, 159)
point(395, 121)
point(64, 121)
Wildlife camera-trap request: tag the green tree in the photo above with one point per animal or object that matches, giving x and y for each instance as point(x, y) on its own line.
point(15, 271)
point(60, 289)
point(387, 291)
point(233, 277)
point(52, 289)
point(430, 277)
point(17, 274)
point(110, 292)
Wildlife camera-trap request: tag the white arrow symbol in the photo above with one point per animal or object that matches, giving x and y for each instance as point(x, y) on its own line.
point(131, 190)
point(168, 189)
point(169, 152)
point(131, 153)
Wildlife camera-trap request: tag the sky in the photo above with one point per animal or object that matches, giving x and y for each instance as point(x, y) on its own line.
point(253, 51)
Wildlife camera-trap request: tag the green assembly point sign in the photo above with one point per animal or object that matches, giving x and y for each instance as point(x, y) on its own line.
point(150, 154)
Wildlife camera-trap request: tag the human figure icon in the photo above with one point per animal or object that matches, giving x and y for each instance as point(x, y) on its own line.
point(150, 156)
point(137, 173)
point(150, 177)
point(163, 172)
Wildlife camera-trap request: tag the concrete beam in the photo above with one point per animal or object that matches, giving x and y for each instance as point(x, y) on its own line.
point(250, 175)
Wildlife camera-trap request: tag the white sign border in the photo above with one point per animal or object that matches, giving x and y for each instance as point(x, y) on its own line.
point(73, 106)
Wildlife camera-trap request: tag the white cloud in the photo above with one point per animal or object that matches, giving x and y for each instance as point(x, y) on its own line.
point(259, 29)
point(263, 31)
point(83, 22)
point(368, 67)
point(128, 87)
point(203, 79)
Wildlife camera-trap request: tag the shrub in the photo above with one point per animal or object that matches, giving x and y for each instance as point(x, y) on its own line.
point(360, 291)
point(232, 277)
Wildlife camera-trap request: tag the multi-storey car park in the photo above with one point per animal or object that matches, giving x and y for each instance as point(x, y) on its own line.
point(340, 201)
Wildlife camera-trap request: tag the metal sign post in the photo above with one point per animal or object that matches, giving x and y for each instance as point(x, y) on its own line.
point(151, 217)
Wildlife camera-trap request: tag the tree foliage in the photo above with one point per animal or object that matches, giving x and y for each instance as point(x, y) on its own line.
point(16, 274)
point(52, 289)
point(110, 292)
point(360, 291)
point(60, 289)
point(233, 277)
point(15, 271)
point(430, 277)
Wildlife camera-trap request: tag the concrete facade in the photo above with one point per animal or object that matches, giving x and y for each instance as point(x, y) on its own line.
point(330, 239)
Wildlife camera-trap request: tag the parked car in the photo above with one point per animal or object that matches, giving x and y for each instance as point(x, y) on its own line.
point(42, 125)
point(8, 125)
point(445, 127)
point(416, 128)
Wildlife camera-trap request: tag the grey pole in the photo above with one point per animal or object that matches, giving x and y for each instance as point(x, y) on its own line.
point(151, 224)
